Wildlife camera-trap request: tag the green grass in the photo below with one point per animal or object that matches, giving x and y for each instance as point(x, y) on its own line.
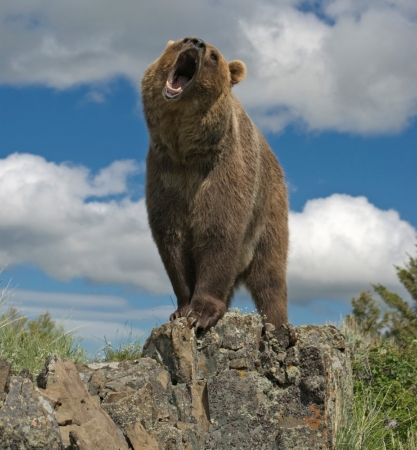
point(26, 342)
point(371, 426)
point(125, 348)
point(384, 413)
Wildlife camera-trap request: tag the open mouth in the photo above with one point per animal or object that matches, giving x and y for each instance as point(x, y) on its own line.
point(182, 75)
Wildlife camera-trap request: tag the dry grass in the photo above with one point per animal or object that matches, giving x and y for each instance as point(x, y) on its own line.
point(368, 426)
point(26, 343)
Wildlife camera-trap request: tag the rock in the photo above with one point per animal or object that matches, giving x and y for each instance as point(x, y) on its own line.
point(174, 350)
point(75, 443)
point(142, 400)
point(238, 385)
point(140, 438)
point(25, 373)
point(5, 374)
point(282, 389)
point(189, 358)
point(76, 411)
point(27, 420)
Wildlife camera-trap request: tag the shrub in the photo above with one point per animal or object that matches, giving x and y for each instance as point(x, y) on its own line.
point(27, 342)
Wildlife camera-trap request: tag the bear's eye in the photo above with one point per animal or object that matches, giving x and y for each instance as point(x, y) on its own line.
point(213, 56)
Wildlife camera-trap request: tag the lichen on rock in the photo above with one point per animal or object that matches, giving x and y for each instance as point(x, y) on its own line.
point(238, 385)
point(262, 385)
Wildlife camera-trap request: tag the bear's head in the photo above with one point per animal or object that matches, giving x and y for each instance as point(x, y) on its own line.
point(191, 66)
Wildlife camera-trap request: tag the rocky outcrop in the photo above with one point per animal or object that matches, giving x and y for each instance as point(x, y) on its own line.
point(27, 420)
point(283, 388)
point(5, 374)
point(239, 385)
point(142, 400)
point(82, 422)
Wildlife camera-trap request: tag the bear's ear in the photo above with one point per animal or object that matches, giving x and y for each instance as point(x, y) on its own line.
point(237, 71)
point(169, 43)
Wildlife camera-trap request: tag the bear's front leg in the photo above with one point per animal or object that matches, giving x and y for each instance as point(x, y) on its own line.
point(167, 215)
point(181, 274)
point(215, 277)
point(170, 239)
point(215, 253)
point(205, 311)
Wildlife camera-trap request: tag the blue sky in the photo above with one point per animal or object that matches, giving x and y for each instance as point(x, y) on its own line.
point(335, 101)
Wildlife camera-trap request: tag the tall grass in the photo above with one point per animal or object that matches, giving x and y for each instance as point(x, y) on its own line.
point(27, 342)
point(381, 418)
point(368, 427)
point(124, 349)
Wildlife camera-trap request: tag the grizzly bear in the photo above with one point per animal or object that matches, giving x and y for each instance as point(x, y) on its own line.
point(215, 193)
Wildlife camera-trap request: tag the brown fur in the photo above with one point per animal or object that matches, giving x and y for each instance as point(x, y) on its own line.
point(215, 193)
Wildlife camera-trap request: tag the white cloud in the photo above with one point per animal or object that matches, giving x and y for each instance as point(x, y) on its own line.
point(87, 307)
point(96, 96)
point(339, 8)
point(356, 75)
point(61, 44)
point(46, 219)
point(93, 317)
point(67, 301)
point(351, 68)
point(339, 244)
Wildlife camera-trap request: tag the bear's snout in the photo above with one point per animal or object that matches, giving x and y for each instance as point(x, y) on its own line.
point(196, 42)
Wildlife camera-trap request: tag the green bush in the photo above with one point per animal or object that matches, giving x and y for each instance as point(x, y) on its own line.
point(399, 318)
point(393, 372)
point(26, 343)
point(385, 361)
point(384, 413)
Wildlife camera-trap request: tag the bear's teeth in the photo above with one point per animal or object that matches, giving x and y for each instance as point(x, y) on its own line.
point(169, 86)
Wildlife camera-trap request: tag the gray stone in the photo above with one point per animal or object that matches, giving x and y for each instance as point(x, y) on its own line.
point(239, 385)
point(189, 357)
point(80, 418)
point(142, 400)
point(266, 388)
point(5, 374)
point(27, 420)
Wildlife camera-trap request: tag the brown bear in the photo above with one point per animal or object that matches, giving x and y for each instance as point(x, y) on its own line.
point(215, 193)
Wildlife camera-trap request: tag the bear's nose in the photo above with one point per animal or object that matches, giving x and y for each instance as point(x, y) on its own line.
point(199, 43)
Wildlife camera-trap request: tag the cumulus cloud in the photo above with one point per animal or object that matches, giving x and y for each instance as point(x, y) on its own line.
point(48, 218)
point(339, 244)
point(345, 65)
point(355, 74)
point(63, 44)
point(93, 317)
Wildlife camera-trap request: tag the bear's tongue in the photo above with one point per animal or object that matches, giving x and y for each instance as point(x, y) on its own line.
point(180, 82)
